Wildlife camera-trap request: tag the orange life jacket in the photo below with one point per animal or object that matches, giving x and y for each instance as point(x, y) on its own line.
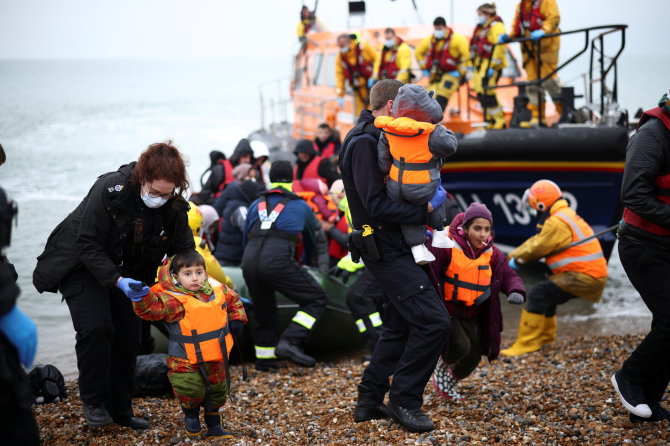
point(530, 19)
point(587, 258)
point(480, 45)
point(468, 280)
point(310, 171)
point(408, 141)
point(442, 57)
point(227, 179)
point(388, 69)
point(198, 337)
point(308, 196)
point(361, 68)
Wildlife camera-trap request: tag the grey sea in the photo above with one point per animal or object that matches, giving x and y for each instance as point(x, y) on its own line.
point(63, 123)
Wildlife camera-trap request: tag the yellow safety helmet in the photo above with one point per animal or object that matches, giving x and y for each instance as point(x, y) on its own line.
point(543, 194)
point(195, 218)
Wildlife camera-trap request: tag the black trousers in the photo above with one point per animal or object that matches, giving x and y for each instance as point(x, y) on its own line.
point(465, 346)
point(269, 266)
point(365, 300)
point(648, 268)
point(545, 296)
point(416, 325)
point(107, 342)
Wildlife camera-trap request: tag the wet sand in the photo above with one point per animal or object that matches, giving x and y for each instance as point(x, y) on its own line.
point(560, 395)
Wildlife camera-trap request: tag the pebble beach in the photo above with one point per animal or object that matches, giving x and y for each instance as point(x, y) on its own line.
point(560, 395)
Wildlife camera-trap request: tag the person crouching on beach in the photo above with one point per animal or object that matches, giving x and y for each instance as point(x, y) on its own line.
point(200, 314)
point(410, 151)
point(470, 276)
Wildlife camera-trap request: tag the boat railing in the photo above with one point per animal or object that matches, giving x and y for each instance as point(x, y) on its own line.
point(275, 103)
point(597, 47)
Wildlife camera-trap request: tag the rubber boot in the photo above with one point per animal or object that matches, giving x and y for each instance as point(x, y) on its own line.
point(192, 420)
point(531, 327)
point(548, 334)
point(214, 428)
point(495, 119)
point(535, 120)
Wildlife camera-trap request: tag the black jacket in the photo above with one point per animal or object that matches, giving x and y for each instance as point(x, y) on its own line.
point(647, 157)
point(365, 188)
point(218, 172)
point(112, 233)
point(230, 243)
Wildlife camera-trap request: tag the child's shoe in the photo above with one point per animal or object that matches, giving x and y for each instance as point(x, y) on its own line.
point(441, 239)
point(422, 255)
point(445, 382)
point(192, 420)
point(214, 428)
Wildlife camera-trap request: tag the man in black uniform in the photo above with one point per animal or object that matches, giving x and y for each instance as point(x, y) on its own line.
point(416, 323)
point(273, 225)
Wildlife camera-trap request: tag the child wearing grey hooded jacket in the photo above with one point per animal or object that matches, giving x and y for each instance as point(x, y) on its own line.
point(411, 151)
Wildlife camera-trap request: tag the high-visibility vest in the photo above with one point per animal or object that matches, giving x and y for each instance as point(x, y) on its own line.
point(587, 258)
point(468, 280)
point(408, 142)
point(441, 57)
point(199, 336)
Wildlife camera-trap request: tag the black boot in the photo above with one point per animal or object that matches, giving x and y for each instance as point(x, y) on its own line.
point(96, 416)
point(266, 365)
point(414, 420)
point(289, 350)
point(214, 428)
point(369, 407)
point(192, 420)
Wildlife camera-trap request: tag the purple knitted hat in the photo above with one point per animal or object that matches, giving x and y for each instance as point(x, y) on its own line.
point(476, 210)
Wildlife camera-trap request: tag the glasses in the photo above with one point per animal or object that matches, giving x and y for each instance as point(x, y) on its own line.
point(155, 194)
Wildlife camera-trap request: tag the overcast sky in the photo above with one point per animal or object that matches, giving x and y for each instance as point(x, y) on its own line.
point(84, 29)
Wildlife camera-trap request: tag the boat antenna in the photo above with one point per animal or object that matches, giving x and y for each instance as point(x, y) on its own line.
point(416, 9)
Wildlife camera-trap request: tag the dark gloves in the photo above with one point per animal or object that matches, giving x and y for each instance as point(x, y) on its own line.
point(236, 328)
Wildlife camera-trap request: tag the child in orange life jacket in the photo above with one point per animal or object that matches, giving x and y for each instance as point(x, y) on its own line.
point(411, 149)
point(191, 303)
point(470, 277)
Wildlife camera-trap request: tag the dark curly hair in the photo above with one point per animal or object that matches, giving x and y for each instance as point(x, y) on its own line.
point(161, 161)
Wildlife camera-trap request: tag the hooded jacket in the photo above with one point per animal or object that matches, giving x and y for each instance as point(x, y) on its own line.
point(232, 205)
point(100, 235)
point(325, 169)
point(504, 279)
point(212, 186)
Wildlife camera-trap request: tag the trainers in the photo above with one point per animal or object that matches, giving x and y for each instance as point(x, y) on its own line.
point(445, 382)
point(422, 255)
point(441, 239)
point(631, 395)
point(294, 352)
point(658, 413)
point(96, 416)
point(414, 420)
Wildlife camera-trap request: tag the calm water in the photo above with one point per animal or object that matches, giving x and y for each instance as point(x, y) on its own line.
point(63, 123)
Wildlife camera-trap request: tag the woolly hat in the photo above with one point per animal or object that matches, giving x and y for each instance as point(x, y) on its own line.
point(305, 146)
point(477, 210)
point(281, 172)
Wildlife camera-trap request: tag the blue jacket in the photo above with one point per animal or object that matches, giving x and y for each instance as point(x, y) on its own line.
point(296, 218)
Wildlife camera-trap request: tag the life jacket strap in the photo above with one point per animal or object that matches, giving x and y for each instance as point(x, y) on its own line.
point(404, 165)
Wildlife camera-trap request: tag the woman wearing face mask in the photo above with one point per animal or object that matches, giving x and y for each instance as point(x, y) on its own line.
point(394, 60)
point(111, 245)
point(488, 62)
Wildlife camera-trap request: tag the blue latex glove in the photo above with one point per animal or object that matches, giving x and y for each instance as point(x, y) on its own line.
point(515, 298)
point(133, 289)
point(426, 73)
point(438, 198)
point(512, 264)
point(21, 331)
point(371, 82)
point(236, 328)
point(471, 68)
point(504, 38)
point(538, 33)
point(490, 72)
point(340, 103)
point(454, 73)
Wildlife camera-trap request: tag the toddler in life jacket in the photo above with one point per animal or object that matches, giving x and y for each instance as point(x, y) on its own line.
point(200, 314)
point(410, 150)
point(470, 277)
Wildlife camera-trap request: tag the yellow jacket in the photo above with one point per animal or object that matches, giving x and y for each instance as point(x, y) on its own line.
point(368, 53)
point(212, 265)
point(554, 235)
point(403, 61)
point(498, 59)
point(458, 47)
point(552, 18)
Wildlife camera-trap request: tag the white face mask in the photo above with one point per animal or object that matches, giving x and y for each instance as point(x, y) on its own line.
point(153, 202)
point(481, 20)
point(390, 43)
point(344, 49)
point(439, 33)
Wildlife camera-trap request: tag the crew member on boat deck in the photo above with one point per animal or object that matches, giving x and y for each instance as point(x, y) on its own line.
point(444, 58)
point(327, 142)
point(354, 65)
point(394, 60)
point(534, 19)
point(578, 269)
point(488, 63)
point(644, 250)
point(311, 165)
point(308, 23)
point(273, 225)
